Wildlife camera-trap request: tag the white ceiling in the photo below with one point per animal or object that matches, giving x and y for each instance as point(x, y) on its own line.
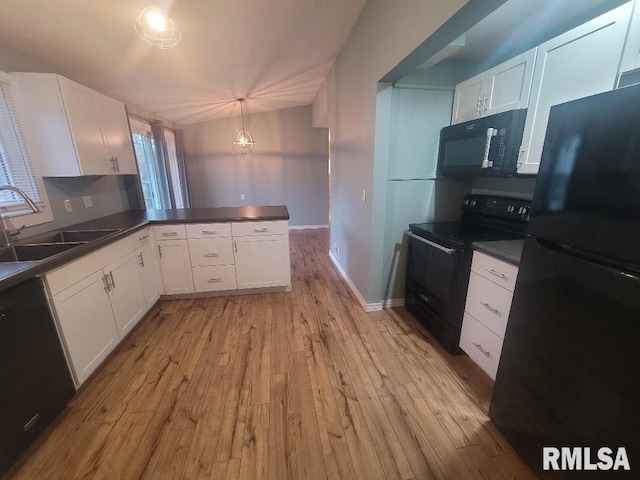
point(276, 53)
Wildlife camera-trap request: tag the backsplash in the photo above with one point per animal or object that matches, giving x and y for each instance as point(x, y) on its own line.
point(108, 195)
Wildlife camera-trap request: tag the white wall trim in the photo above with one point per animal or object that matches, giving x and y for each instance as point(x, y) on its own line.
point(393, 302)
point(307, 227)
point(368, 307)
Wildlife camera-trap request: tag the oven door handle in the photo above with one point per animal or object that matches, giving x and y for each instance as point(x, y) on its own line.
point(448, 251)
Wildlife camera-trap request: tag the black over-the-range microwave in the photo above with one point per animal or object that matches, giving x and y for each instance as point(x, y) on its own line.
point(485, 146)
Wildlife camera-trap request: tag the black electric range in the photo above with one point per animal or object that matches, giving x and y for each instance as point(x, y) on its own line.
point(439, 260)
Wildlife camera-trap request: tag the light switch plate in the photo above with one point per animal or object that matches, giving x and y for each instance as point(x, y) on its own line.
point(88, 201)
point(67, 206)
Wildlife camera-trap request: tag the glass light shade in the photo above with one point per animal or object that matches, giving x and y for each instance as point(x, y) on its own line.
point(157, 29)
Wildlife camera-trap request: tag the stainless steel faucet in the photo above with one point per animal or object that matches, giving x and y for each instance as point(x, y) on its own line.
point(5, 236)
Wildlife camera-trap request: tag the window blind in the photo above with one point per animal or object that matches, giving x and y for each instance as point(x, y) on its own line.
point(15, 167)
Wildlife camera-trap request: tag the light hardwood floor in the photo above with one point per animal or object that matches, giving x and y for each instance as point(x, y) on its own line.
point(299, 385)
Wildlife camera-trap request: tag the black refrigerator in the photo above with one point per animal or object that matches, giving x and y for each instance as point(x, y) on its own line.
point(569, 374)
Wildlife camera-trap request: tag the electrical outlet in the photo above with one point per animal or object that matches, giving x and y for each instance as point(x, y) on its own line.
point(242, 196)
point(336, 251)
point(67, 206)
point(88, 201)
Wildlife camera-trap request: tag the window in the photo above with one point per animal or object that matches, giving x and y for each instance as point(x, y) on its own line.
point(152, 176)
point(161, 175)
point(16, 169)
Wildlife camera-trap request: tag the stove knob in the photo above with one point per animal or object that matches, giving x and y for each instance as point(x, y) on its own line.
point(510, 209)
point(473, 203)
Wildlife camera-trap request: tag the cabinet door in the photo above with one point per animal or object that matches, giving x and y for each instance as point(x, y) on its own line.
point(85, 127)
point(631, 53)
point(175, 266)
point(467, 101)
point(262, 261)
point(87, 324)
point(509, 84)
point(582, 62)
point(125, 293)
point(148, 278)
point(115, 130)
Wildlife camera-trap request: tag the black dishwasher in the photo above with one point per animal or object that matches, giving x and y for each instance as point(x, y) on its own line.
point(35, 383)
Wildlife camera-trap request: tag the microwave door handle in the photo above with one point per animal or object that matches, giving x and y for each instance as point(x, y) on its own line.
point(491, 132)
point(448, 251)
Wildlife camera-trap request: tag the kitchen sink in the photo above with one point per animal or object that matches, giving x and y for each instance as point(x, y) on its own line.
point(34, 252)
point(67, 236)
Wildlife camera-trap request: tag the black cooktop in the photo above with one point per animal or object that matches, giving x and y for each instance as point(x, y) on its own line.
point(456, 234)
point(484, 218)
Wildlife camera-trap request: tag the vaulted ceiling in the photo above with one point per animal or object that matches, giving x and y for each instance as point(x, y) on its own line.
point(275, 53)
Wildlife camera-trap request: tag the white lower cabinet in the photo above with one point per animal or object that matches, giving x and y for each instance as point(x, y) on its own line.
point(87, 324)
point(97, 300)
point(148, 276)
point(491, 285)
point(125, 293)
point(175, 266)
point(215, 257)
point(262, 261)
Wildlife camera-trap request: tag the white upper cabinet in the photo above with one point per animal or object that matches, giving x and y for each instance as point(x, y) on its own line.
point(631, 53)
point(71, 129)
point(581, 62)
point(499, 89)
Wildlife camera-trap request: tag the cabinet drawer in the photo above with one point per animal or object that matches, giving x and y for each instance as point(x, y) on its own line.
point(499, 272)
point(211, 279)
point(211, 251)
point(170, 232)
point(208, 230)
point(482, 345)
point(141, 237)
point(488, 303)
point(243, 229)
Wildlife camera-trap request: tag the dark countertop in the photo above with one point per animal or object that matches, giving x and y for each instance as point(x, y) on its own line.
point(507, 250)
point(12, 273)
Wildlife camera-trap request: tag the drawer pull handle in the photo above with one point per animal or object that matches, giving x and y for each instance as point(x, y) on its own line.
point(261, 230)
point(143, 238)
point(494, 272)
point(482, 350)
point(495, 311)
point(214, 280)
point(209, 232)
point(169, 234)
point(211, 255)
point(31, 422)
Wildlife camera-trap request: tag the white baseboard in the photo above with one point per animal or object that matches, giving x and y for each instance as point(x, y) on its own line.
point(393, 302)
point(368, 307)
point(307, 227)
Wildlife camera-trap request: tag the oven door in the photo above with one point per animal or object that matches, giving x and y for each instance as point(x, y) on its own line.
point(434, 274)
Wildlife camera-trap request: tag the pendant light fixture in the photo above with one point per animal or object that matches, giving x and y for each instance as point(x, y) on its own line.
point(157, 29)
point(244, 141)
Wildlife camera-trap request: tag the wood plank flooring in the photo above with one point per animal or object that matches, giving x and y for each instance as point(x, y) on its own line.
point(299, 385)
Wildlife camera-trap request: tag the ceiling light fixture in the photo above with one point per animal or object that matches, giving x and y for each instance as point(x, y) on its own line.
point(157, 29)
point(244, 141)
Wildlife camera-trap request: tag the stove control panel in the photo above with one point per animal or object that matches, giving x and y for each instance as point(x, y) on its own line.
point(503, 207)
